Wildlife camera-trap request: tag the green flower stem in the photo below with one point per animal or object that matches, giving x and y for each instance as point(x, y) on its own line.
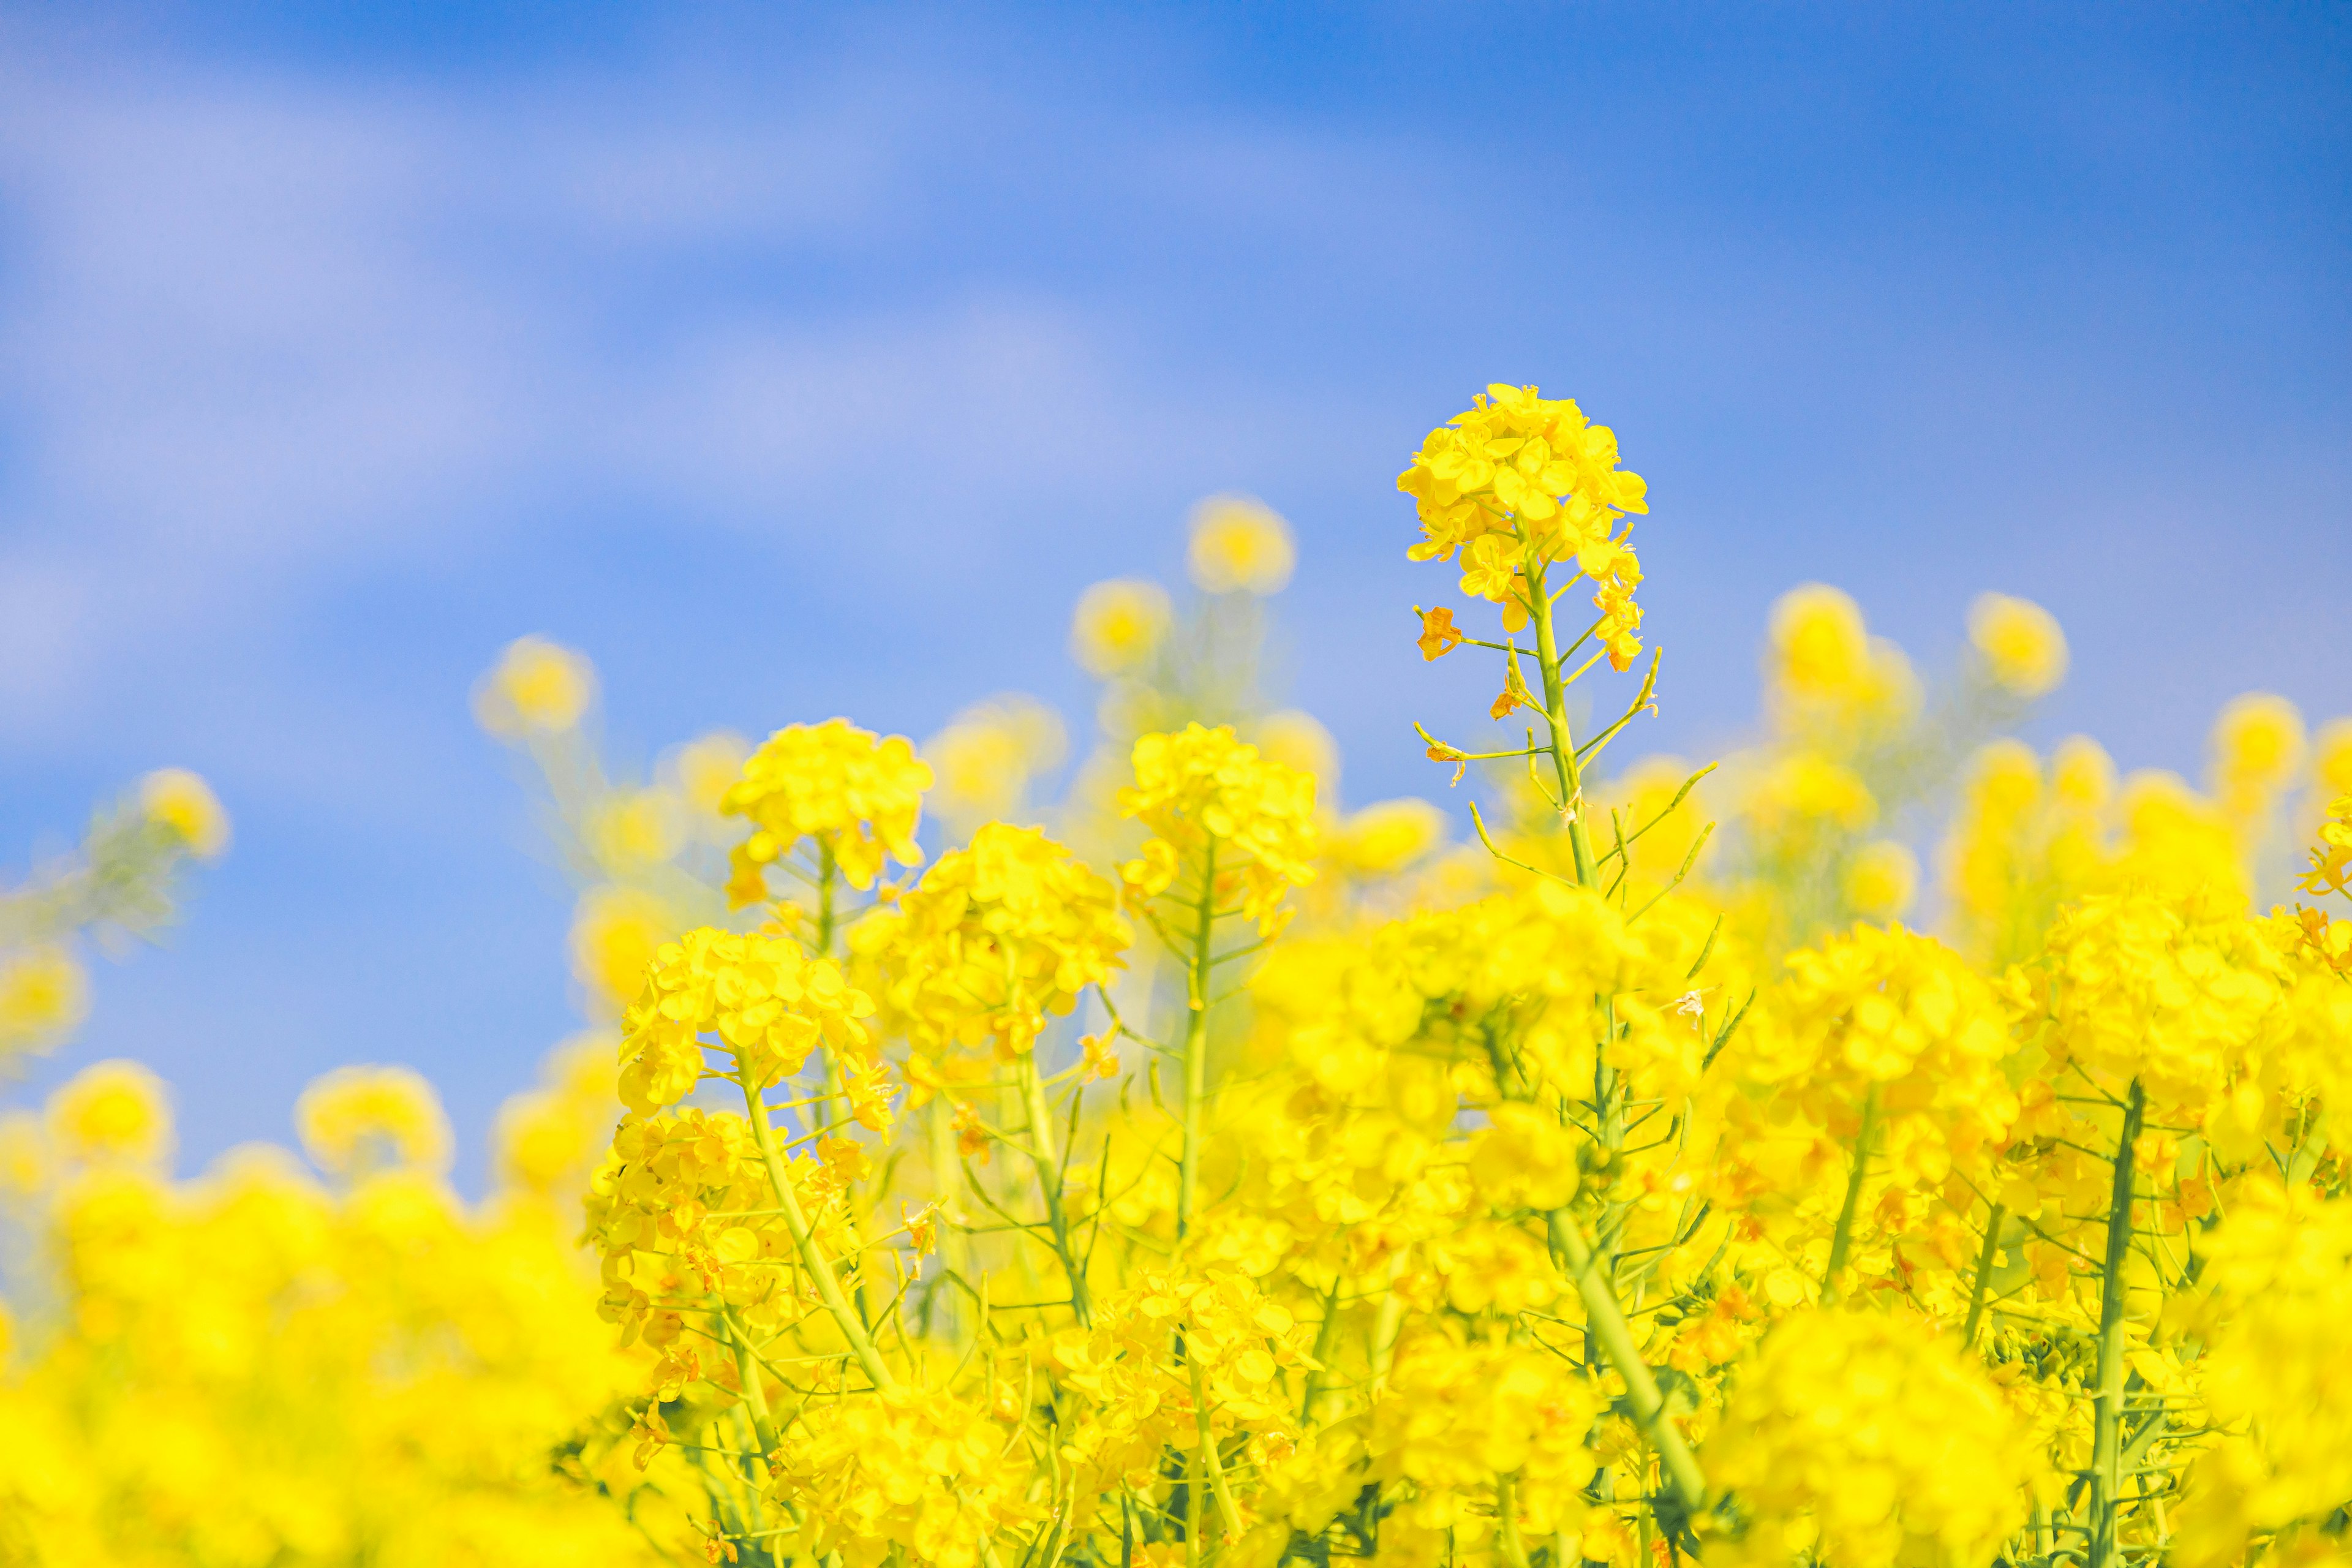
point(813, 1258)
point(1984, 1274)
point(1604, 1317)
point(1843, 1238)
point(747, 1371)
point(1606, 1320)
point(1196, 1043)
point(1228, 1512)
point(2106, 1479)
point(1049, 1183)
point(1563, 745)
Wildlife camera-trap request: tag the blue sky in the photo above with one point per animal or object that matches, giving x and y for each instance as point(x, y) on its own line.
point(813, 365)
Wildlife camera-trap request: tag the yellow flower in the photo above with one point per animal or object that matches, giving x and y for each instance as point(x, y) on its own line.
point(615, 934)
point(1388, 835)
point(1858, 1439)
point(1819, 648)
point(706, 766)
point(1882, 879)
point(996, 939)
point(2023, 650)
point(2331, 757)
point(767, 1003)
point(1118, 626)
point(986, 758)
point(2257, 746)
point(1515, 458)
point(183, 803)
point(1240, 545)
point(856, 795)
point(1202, 786)
point(1438, 637)
point(632, 829)
point(44, 995)
point(537, 687)
point(1297, 739)
point(112, 1111)
point(357, 1121)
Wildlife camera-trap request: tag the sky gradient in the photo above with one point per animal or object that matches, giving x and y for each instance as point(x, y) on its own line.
point(794, 368)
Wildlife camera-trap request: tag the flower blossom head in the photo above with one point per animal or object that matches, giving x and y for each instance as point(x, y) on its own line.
point(1118, 624)
point(1519, 476)
point(767, 1003)
point(1856, 1439)
point(1202, 790)
point(359, 1120)
point(2022, 649)
point(111, 1112)
point(998, 937)
point(856, 795)
point(1240, 545)
point(615, 934)
point(184, 805)
point(1882, 880)
point(1388, 835)
point(986, 758)
point(1822, 664)
point(537, 687)
point(2331, 758)
point(44, 995)
point(2257, 746)
point(1297, 739)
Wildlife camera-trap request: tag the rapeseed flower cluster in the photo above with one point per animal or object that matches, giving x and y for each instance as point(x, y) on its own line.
point(1896, 1146)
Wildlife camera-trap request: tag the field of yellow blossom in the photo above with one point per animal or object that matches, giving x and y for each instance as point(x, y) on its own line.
point(1196, 1170)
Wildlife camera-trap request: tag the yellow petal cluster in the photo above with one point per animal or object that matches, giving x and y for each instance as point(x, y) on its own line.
point(998, 938)
point(760, 995)
point(855, 795)
point(1203, 791)
point(1519, 478)
point(1857, 1439)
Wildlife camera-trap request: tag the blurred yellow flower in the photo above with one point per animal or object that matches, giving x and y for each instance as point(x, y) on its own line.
point(356, 1121)
point(183, 803)
point(1882, 879)
point(1118, 625)
point(631, 829)
point(44, 994)
point(706, 766)
point(1297, 739)
point(1820, 649)
point(1240, 544)
point(2082, 775)
point(537, 687)
point(2022, 648)
point(1388, 835)
point(112, 1111)
point(2256, 747)
point(615, 934)
point(985, 760)
point(2331, 758)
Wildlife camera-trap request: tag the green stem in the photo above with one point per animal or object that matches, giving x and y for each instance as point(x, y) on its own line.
point(2106, 1479)
point(1563, 745)
point(1984, 1274)
point(1228, 1512)
point(813, 1258)
point(1843, 1235)
point(747, 1371)
point(1606, 1321)
point(1049, 1183)
point(1196, 1043)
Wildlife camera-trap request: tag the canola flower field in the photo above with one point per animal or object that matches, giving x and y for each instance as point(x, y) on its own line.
point(1192, 1170)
